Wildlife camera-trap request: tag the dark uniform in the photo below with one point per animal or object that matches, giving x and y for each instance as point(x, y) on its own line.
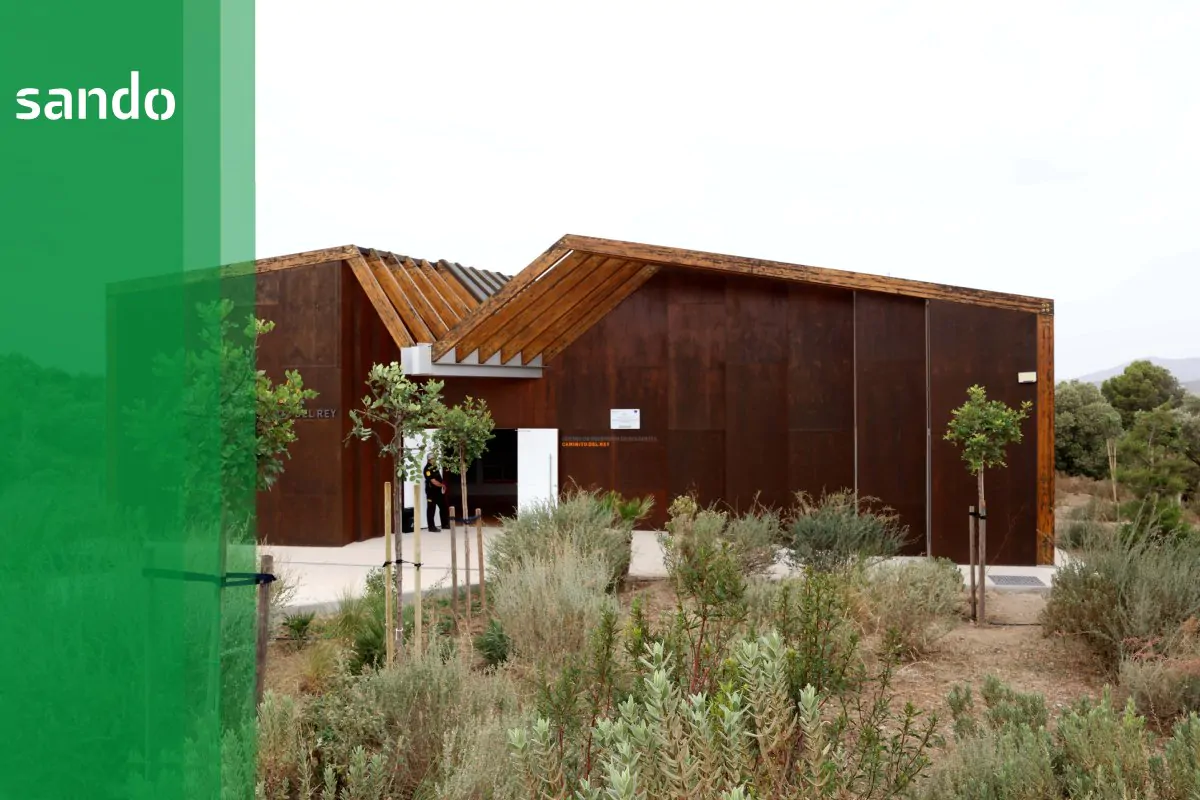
point(435, 496)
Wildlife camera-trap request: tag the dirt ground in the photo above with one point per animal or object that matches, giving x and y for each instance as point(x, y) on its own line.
point(1011, 647)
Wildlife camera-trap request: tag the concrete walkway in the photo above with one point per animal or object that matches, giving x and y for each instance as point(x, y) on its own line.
point(324, 574)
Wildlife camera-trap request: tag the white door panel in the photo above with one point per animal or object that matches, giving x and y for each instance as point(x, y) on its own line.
point(537, 466)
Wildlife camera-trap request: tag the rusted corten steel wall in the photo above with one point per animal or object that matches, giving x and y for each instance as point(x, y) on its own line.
point(749, 389)
point(306, 304)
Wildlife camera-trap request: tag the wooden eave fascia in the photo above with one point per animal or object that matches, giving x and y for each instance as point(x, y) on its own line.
point(694, 259)
point(307, 258)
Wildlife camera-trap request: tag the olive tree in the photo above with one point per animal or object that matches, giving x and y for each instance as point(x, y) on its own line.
point(463, 435)
point(983, 429)
point(395, 411)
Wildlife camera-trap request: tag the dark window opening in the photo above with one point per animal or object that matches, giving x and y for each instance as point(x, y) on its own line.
point(491, 480)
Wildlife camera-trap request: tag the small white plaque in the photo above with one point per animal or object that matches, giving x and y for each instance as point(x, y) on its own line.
point(1026, 377)
point(625, 419)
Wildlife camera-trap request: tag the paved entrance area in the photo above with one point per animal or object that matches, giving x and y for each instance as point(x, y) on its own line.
point(324, 574)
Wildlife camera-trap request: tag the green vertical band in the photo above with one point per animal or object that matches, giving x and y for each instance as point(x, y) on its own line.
point(126, 471)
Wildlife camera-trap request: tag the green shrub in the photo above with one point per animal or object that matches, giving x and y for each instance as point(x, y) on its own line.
point(493, 644)
point(751, 539)
point(1093, 751)
point(1154, 518)
point(476, 763)
point(298, 625)
point(749, 739)
point(1096, 509)
point(1003, 708)
point(584, 521)
point(1080, 533)
point(1016, 763)
point(407, 714)
point(841, 531)
point(550, 602)
point(285, 760)
point(1103, 752)
point(1126, 596)
point(1006, 707)
point(1162, 688)
point(918, 601)
point(813, 615)
point(1177, 773)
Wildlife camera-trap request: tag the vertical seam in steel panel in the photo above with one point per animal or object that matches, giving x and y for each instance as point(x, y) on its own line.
point(854, 359)
point(928, 439)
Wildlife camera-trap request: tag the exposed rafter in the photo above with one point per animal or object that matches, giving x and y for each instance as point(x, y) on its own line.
point(460, 339)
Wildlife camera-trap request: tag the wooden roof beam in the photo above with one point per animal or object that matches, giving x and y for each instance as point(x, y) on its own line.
point(457, 307)
point(493, 334)
point(493, 304)
point(437, 303)
point(586, 296)
point(598, 312)
point(670, 256)
point(387, 312)
point(456, 287)
point(399, 298)
point(431, 321)
point(533, 318)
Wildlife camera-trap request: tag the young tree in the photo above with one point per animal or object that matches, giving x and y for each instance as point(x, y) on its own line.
point(221, 372)
point(1143, 386)
point(1084, 423)
point(464, 434)
point(396, 409)
point(1160, 454)
point(983, 429)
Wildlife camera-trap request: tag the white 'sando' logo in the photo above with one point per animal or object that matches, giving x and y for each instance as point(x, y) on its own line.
point(126, 103)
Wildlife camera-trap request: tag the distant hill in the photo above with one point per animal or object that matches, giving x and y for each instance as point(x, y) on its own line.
point(1186, 369)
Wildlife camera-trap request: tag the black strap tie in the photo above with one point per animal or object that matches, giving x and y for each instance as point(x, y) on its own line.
point(229, 579)
point(399, 561)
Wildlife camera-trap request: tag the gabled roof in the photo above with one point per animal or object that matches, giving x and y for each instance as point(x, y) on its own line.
point(573, 284)
point(419, 301)
point(479, 317)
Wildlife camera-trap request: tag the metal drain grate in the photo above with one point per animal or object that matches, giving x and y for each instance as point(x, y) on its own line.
point(1016, 580)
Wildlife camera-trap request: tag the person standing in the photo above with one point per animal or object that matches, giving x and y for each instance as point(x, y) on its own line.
point(435, 494)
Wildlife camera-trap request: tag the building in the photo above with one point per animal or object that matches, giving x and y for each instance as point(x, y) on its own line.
point(659, 371)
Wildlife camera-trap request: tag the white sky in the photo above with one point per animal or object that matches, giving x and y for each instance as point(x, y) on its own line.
point(1050, 149)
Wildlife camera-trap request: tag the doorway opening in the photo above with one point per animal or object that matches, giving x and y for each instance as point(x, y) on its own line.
point(491, 480)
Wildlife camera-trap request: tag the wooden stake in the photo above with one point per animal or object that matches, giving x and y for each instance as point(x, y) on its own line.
point(1112, 476)
point(264, 628)
point(418, 642)
point(982, 553)
point(453, 563)
point(389, 619)
point(398, 514)
point(467, 552)
point(971, 541)
point(147, 675)
point(479, 540)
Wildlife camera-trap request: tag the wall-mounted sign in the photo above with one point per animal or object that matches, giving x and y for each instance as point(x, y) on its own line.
point(605, 441)
point(1026, 377)
point(625, 419)
point(320, 413)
